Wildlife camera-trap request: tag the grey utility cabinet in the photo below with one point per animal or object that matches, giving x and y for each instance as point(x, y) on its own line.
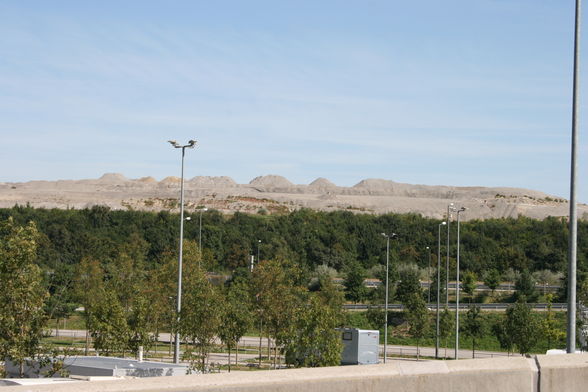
point(360, 346)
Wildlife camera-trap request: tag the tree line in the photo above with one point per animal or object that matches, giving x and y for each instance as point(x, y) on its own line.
point(122, 267)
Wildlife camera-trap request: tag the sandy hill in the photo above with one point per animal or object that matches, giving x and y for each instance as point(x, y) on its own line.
point(275, 194)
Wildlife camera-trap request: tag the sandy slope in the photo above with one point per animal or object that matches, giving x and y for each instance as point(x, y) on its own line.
point(275, 194)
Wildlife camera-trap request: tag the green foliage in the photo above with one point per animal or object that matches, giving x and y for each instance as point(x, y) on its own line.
point(22, 294)
point(236, 315)
point(410, 284)
point(200, 317)
point(107, 323)
point(417, 317)
point(492, 279)
point(525, 286)
point(520, 327)
point(313, 340)
point(469, 283)
point(473, 326)
point(355, 290)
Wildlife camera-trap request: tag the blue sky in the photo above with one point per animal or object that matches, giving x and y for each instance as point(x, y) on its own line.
point(454, 92)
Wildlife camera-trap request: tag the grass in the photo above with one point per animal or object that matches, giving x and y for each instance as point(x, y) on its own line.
point(398, 334)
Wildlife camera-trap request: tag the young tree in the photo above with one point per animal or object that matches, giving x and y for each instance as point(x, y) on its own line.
point(522, 327)
point(525, 286)
point(473, 326)
point(200, 317)
point(549, 325)
point(417, 317)
point(409, 284)
point(446, 326)
point(313, 340)
point(107, 323)
point(22, 294)
point(469, 284)
point(355, 289)
point(492, 279)
point(236, 315)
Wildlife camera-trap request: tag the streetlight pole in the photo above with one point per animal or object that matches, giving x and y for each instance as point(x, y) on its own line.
point(387, 236)
point(200, 231)
point(258, 242)
point(573, 223)
point(449, 209)
point(175, 144)
point(438, 287)
point(462, 209)
point(429, 299)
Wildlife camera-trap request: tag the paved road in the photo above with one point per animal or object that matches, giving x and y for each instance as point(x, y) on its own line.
point(253, 343)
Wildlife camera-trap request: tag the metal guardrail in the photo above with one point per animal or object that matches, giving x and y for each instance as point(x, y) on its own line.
point(462, 306)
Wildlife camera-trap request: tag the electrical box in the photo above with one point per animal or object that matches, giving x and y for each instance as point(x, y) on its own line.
point(360, 346)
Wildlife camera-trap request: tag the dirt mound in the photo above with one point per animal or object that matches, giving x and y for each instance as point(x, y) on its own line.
point(212, 182)
point(147, 180)
point(271, 181)
point(322, 183)
point(170, 180)
point(376, 185)
point(112, 178)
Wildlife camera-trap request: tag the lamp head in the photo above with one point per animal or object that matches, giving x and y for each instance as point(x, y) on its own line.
point(462, 209)
point(173, 143)
point(443, 223)
point(191, 143)
point(188, 218)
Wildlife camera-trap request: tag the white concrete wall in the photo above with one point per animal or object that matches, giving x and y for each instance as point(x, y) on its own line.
point(563, 373)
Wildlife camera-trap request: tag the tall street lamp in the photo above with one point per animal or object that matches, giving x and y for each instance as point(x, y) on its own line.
point(573, 221)
point(438, 288)
point(200, 231)
point(175, 144)
point(258, 243)
point(449, 209)
point(387, 236)
point(429, 299)
point(462, 209)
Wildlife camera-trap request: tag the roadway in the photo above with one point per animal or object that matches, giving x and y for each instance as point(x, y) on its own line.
point(252, 343)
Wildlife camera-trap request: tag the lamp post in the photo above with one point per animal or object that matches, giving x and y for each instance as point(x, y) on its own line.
point(200, 231)
point(462, 209)
point(438, 288)
point(429, 299)
point(573, 221)
point(258, 243)
point(175, 144)
point(449, 209)
point(387, 236)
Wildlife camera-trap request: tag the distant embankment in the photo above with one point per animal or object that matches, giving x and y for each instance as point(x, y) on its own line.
point(276, 195)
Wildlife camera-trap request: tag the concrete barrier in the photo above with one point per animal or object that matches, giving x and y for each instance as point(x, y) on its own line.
point(544, 374)
point(566, 372)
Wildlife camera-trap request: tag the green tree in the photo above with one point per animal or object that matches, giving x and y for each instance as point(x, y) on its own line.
point(492, 279)
point(236, 316)
point(521, 327)
point(200, 317)
point(446, 326)
point(474, 326)
point(525, 287)
point(22, 295)
point(140, 324)
point(355, 289)
point(107, 323)
point(418, 318)
point(314, 341)
point(469, 284)
point(549, 326)
point(409, 284)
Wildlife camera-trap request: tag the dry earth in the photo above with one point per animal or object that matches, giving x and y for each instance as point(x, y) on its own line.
point(275, 194)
